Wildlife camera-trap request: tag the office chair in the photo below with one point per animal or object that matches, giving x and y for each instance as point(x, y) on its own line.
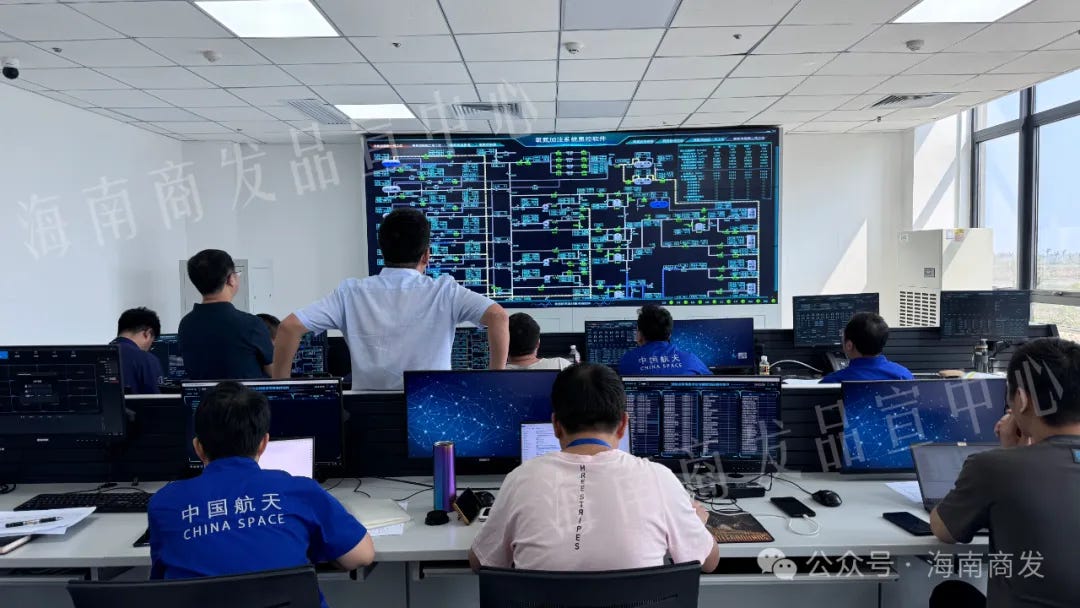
point(287, 588)
point(660, 587)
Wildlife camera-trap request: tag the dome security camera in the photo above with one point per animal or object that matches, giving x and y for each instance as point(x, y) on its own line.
point(10, 68)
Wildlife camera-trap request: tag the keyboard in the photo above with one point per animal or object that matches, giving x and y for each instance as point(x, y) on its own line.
point(106, 502)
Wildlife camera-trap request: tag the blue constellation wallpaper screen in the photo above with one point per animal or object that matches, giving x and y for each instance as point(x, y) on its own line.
point(480, 411)
point(591, 219)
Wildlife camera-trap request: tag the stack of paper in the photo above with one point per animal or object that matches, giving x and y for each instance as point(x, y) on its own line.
point(52, 521)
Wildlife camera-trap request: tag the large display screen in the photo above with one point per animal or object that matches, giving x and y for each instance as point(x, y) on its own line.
point(592, 219)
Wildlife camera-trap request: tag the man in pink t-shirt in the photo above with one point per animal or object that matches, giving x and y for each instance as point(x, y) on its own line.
point(592, 506)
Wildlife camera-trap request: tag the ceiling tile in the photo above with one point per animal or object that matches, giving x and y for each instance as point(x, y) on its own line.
point(279, 112)
point(862, 102)
point(969, 99)
point(1015, 37)
point(784, 118)
point(1046, 11)
point(399, 126)
point(888, 125)
point(835, 85)
point(757, 87)
point(810, 103)
point(110, 114)
point(72, 78)
point(1042, 61)
point(827, 127)
point(962, 63)
point(159, 114)
point(24, 84)
point(152, 128)
point(352, 137)
point(126, 98)
point(279, 137)
point(590, 91)
point(892, 38)
point(1003, 82)
point(591, 109)
point(411, 48)
point(158, 78)
point(196, 98)
point(737, 105)
point(854, 115)
point(305, 50)
point(586, 124)
point(509, 47)
point(925, 83)
point(679, 68)
point(452, 125)
point(756, 66)
point(717, 119)
point(154, 19)
point(612, 44)
point(666, 106)
point(697, 13)
point(108, 53)
point(374, 18)
point(271, 96)
point(32, 57)
point(666, 89)
point(424, 73)
point(188, 51)
point(592, 70)
point(51, 22)
point(512, 71)
point(815, 12)
point(239, 113)
point(492, 16)
point(258, 126)
point(617, 14)
point(697, 41)
point(437, 93)
point(870, 64)
point(356, 94)
point(246, 76)
point(334, 73)
point(524, 127)
point(193, 127)
point(525, 91)
point(666, 121)
point(1065, 44)
point(812, 39)
point(538, 109)
point(68, 99)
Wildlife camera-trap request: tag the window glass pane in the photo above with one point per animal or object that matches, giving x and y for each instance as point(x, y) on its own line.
point(1000, 174)
point(1002, 109)
point(1057, 91)
point(1067, 318)
point(1058, 228)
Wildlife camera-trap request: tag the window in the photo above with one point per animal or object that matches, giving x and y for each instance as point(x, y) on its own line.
point(1001, 110)
point(1058, 91)
point(1057, 238)
point(1067, 318)
point(999, 191)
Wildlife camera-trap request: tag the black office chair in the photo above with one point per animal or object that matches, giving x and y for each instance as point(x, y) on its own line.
point(287, 588)
point(660, 587)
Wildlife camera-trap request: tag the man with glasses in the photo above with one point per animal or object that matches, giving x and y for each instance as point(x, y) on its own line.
point(217, 341)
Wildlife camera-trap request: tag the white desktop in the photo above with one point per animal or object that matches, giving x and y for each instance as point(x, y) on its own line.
point(294, 456)
point(538, 438)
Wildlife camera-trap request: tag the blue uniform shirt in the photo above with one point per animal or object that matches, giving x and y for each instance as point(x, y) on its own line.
point(140, 370)
point(661, 359)
point(219, 342)
point(237, 518)
point(869, 368)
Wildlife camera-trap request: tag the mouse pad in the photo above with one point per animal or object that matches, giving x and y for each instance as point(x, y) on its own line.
point(737, 528)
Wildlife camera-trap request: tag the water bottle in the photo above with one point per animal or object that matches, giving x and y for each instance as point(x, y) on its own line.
point(764, 369)
point(575, 356)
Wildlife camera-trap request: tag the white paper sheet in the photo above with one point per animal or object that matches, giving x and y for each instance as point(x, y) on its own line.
point(908, 489)
point(395, 530)
point(66, 519)
point(805, 382)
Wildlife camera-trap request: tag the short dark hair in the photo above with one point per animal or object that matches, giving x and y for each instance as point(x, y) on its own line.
point(138, 319)
point(524, 334)
point(404, 237)
point(868, 332)
point(231, 420)
point(655, 323)
point(272, 323)
point(209, 270)
point(588, 397)
point(1048, 369)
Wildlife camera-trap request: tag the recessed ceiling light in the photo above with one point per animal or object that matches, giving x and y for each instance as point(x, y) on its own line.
point(960, 11)
point(376, 111)
point(269, 18)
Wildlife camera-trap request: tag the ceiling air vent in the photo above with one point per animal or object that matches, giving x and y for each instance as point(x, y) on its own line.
point(921, 100)
point(486, 111)
point(319, 111)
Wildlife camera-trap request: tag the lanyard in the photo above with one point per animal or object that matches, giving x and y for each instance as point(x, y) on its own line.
point(588, 441)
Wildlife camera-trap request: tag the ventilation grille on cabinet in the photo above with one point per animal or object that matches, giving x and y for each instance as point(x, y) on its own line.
point(319, 111)
point(918, 308)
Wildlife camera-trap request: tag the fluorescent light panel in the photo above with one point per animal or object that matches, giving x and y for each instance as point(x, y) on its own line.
point(269, 18)
point(376, 111)
point(960, 11)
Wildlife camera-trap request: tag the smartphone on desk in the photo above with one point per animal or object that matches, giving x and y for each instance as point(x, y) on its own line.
point(792, 507)
point(142, 541)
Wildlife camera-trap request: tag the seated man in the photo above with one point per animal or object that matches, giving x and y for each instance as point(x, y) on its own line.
point(217, 341)
point(272, 323)
point(592, 506)
point(236, 517)
point(525, 343)
point(864, 339)
point(656, 355)
point(1025, 492)
point(135, 334)
point(400, 319)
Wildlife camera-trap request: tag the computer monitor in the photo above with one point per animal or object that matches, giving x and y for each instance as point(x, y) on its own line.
point(61, 390)
point(298, 408)
point(882, 420)
point(310, 359)
point(820, 320)
point(607, 341)
point(726, 344)
point(735, 419)
point(538, 438)
point(294, 456)
point(938, 466)
point(480, 411)
point(471, 349)
point(167, 350)
point(985, 314)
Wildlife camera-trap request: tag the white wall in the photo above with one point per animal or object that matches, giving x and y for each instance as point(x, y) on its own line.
point(76, 286)
point(940, 182)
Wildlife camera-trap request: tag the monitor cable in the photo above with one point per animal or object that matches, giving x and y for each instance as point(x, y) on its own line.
point(815, 527)
point(809, 367)
point(778, 478)
point(7, 488)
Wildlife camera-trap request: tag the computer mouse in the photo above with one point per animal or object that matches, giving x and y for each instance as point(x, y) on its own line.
point(827, 498)
point(486, 499)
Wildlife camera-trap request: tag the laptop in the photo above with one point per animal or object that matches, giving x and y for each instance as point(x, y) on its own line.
point(938, 465)
point(538, 438)
point(294, 456)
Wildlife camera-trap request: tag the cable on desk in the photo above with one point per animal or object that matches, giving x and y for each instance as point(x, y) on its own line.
point(7, 488)
point(109, 488)
point(411, 495)
point(357, 489)
point(809, 367)
point(334, 486)
point(790, 520)
point(778, 478)
point(412, 483)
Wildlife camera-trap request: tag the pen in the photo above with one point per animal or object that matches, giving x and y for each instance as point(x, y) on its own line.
point(32, 522)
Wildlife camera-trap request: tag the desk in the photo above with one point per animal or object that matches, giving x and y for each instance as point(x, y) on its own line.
point(405, 577)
